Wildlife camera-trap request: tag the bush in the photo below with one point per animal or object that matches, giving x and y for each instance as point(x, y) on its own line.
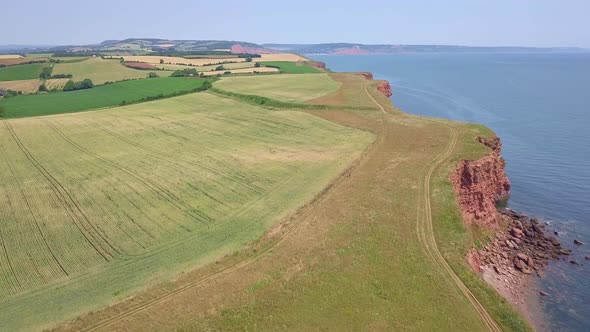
point(185, 73)
point(257, 64)
point(42, 88)
point(73, 86)
point(46, 73)
point(61, 76)
point(153, 75)
point(11, 93)
point(219, 68)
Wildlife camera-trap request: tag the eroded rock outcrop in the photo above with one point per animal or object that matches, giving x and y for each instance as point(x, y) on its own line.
point(385, 88)
point(480, 184)
point(366, 75)
point(316, 64)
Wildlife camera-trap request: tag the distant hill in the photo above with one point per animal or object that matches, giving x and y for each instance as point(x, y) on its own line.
point(359, 49)
point(148, 45)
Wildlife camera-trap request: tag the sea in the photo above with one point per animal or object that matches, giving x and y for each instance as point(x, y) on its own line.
point(539, 105)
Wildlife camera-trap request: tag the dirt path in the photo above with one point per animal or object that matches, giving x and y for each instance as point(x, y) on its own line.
point(426, 235)
point(426, 232)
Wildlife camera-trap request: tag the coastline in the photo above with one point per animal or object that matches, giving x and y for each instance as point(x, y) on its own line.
point(519, 246)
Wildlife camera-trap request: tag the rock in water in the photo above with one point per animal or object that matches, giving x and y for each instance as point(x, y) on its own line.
point(578, 242)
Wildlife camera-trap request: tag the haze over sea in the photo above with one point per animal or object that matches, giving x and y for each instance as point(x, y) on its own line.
point(539, 105)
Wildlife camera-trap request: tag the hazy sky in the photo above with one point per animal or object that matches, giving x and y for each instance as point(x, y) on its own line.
point(464, 22)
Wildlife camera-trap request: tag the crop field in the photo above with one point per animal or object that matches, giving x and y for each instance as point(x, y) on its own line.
point(291, 67)
point(179, 60)
point(26, 86)
point(10, 56)
point(280, 57)
point(39, 55)
point(243, 71)
point(292, 88)
point(16, 61)
point(237, 65)
point(98, 70)
point(21, 72)
point(97, 97)
point(56, 83)
point(111, 201)
point(68, 59)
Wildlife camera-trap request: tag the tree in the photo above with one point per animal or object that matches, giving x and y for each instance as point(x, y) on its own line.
point(257, 64)
point(46, 73)
point(69, 86)
point(153, 75)
point(248, 59)
point(161, 61)
point(42, 88)
point(219, 68)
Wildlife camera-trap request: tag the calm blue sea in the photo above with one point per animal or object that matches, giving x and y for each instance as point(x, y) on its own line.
point(539, 105)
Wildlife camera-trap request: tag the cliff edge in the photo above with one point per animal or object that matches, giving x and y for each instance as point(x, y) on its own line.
point(480, 184)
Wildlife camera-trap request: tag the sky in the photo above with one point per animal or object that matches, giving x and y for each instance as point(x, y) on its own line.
point(562, 23)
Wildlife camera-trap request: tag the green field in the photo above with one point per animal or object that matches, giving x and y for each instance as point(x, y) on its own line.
point(98, 204)
point(97, 97)
point(291, 88)
point(21, 72)
point(100, 71)
point(291, 67)
point(237, 65)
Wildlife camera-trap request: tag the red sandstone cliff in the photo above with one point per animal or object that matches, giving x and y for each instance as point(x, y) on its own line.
point(316, 64)
point(366, 75)
point(385, 88)
point(480, 184)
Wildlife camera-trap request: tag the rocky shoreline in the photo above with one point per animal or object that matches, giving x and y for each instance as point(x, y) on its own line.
point(518, 252)
point(524, 247)
point(521, 246)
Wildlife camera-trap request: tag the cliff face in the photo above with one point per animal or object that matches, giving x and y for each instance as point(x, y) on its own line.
point(480, 184)
point(366, 75)
point(316, 64)
point(385, 88)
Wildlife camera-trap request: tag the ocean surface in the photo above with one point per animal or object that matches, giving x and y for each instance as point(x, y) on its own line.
point(539, 105)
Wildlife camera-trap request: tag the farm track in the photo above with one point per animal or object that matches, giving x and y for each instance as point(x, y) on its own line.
point(425, 228)
point(426, 235)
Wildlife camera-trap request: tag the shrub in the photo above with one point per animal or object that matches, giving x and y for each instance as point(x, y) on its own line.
point(153, 75)
point(42, 88)
point(46, 73)
point(61, 76)
point(219, 68)
point(73, 86)
point(185, 72)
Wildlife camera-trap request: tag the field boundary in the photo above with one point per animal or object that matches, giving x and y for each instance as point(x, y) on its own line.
point(277, 104)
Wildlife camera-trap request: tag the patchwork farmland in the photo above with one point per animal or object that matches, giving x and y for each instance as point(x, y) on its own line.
point(171, 184)
point(100, 70)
